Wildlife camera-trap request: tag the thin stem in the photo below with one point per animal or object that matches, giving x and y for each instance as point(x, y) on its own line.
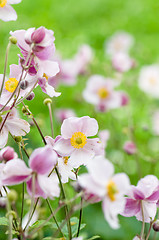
point(22, 208)
point(80, 218)
point(66, 208)
point(51, 119)
point(52, 213)
point(5, 67)
point(10, 218)
point(143, 221)
point(31, 214)
point(149, 231)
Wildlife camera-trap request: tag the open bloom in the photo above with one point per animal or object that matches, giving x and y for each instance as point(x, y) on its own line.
point(65, 169)
point(102, 143)
point(110, 188)
point(41, 162)
point(100, 92)
point(14, 125)
point(74, 141)
point(119, 42)
point(144, 198)
point(122, 62)
point(149, 80)
point(7, 13)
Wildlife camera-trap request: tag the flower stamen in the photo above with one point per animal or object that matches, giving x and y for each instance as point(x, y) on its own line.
point(103, 93)
point(78, 140)
point(11, 84)
point(112, 190)
point(3, 3)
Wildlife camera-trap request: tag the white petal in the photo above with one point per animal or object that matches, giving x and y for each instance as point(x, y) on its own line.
point(17, 127)
point(3, 137)
point(7, 13)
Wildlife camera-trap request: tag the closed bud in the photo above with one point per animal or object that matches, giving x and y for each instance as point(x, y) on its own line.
point(47, 101)
point(11, 213)
point(7, 154)
point(12, 196)
point(130, 148)
point(13, 40)
point(156, 226)
point(18, 139)
point(30, 97)
point(24, 84)
point(24, 109)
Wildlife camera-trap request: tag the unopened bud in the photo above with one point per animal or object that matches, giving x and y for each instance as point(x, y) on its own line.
point(1, 119)
point(13, 40)
point(156, 226)
point(130, 148)
point(18, 139)
point(30, 97)
point(7, 154)
point(12, 196)
point(24, 109)
point(24, 84)
point(47, 101)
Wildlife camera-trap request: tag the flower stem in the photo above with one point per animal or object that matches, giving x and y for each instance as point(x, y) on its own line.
point(51, 119)
point(80, 218)
point(32, 214)
point(143, 222)
point(149, 231)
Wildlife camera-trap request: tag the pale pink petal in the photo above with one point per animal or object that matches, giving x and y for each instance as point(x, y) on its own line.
point(15, 172)
point(3, 137)
point(89, 126)
point(15, 71)
point(13, 1)
point(7, 13)
point(80, 157)
point(50, 68)
point(63, 147)
point(148, 185)
point(38, 192)
point(42, 160)
point(149, 210)
point(122, 182)
point(19, 34)
point(17, 126)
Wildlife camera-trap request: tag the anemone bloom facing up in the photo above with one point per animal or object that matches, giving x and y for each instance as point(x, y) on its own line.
point(110, 188)
point(100, 92)
point(7, 13)
point(74, 141)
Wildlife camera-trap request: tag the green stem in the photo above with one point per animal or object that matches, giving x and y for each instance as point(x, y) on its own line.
point(143, 222)
point(22, 209)
point(31, 214)
point(51, 119)
point(80, 218)
point(149, 231)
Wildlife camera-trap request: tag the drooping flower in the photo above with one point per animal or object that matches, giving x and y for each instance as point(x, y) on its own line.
point(7, 13)
point(41, 162)
point(74, 141)
point(149, 80)
point(110, 188)
point(7, 154)
point(100, 92)
point(120, 42)
point(143, 198)
point(14, 125)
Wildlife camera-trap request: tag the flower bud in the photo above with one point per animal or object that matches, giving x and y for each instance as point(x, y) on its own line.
point(30, 97)
point(156, 226)
point(38, 35)
point(7, 154)
point(130, 148)
point(24, 109)
point(13, 40)
point(18, 139)
point(24, 84)
point(47, 101)
point(12, 213)
point(12, 196)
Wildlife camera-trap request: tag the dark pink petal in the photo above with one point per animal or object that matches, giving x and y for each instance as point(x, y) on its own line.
point(138, 195)
point(38, 35)
point(42, 160)
point(132, 207)
point(154, 196)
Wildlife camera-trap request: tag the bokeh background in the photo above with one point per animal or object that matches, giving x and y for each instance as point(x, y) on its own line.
point(92, 22)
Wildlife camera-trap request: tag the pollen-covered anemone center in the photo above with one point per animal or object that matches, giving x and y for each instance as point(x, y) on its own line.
point(65, 159)
point(112, 190)
point(11, 84)
point(103, 93)
point(78, 140)
point(3, 3)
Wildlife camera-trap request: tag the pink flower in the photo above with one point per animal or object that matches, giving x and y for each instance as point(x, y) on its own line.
point(103, 138)
point(130, 148)
point(110, 188)
point(74, 140)
point(14, 125)
point(100, 92)
point(144, 196)
point(122, 62)
point(119, 42)
point(41, 162)
point(64, 113)
point(7, 154)
point(7, 13)
point(12, 82)
point(65, 169)
point(149, 80)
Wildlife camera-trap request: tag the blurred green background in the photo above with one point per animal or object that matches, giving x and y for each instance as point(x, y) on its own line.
point(92, 22)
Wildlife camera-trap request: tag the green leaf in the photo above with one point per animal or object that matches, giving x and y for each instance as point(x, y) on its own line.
point(74, 226)
point(38, 224)
point(94, 237)
point(3, 221)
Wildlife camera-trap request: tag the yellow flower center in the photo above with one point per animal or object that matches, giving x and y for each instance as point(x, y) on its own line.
point(78, 140)
point(65, 160)
point(103, 93)
point(45, 76)
point(11, 84)
point(112, 190)
point(3, 3)
point(152, 81)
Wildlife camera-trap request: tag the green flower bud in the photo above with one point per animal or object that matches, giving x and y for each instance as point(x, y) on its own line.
point(12, 213)
point(18, 139)
point(47, 101)
point(13, 40)
point(12, 196)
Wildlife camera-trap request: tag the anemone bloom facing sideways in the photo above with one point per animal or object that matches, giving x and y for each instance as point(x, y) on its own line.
point(7, 13)
point(74, 141)
point(143, 198)
point(110, 188)
point(41, 162)
point(100, 92)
